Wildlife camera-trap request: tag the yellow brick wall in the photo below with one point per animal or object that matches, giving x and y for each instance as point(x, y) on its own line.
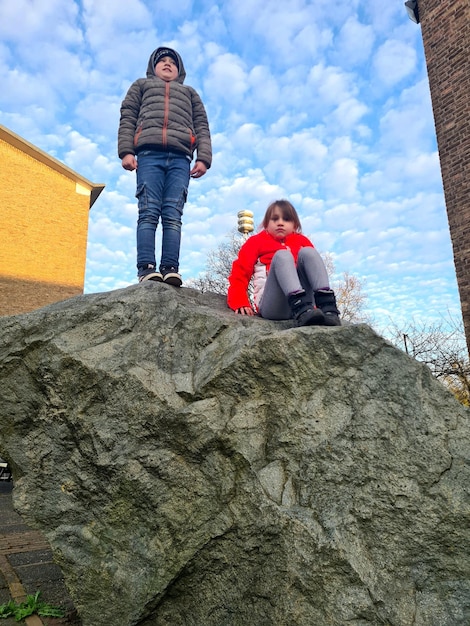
point(44, 221)
point(43, 228)
point(23, 296)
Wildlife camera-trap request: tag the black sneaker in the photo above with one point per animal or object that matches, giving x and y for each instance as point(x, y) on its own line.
point(171, 276)
point(149, 273)
point(331, 318)
point(311, 317)
point(156, 276)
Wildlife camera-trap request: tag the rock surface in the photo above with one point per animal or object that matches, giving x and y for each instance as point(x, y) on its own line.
point(191, 467)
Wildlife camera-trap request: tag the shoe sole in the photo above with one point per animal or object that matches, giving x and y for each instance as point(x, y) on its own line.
point(332, 320)
point(155, 276)
point(173, 279)
point(312, 318)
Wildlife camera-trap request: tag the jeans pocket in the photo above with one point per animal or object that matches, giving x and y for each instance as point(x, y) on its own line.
point(141, 195)
point(182, 200)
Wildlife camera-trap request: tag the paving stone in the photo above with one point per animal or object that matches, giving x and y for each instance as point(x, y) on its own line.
point(4, 595)
point(53, 592)
point(38, 573)
point(14, 529)
point(29, 565)
point(29, 558)
point(10, 517)
point(6, 486)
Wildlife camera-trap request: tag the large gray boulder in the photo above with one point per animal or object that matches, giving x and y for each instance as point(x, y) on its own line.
point(193, 467)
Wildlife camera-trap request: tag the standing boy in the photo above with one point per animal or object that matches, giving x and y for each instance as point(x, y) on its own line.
point(163, 122)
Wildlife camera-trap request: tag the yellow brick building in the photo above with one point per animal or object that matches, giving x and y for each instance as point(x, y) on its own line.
point(44, 208)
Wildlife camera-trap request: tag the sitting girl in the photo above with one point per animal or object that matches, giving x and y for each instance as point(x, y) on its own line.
point(289, 276)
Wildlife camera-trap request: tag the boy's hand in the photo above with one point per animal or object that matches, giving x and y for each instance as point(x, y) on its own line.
point(198, 170)
point(129, 162)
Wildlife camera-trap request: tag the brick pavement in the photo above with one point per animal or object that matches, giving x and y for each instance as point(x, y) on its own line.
point(27, 566)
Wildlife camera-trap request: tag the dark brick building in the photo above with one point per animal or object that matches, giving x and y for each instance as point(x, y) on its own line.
point(445, 26)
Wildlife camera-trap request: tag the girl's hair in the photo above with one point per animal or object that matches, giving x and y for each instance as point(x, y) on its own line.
point(288, 213)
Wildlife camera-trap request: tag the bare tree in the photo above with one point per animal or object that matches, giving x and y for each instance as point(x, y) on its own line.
point(348, 288)
point(219, 265)
point(442, 347)
point(349, 293)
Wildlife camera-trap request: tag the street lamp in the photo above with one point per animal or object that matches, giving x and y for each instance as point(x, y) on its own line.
point(412, 10)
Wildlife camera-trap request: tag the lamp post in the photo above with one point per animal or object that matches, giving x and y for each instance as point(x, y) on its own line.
point(412, 10)
point(245, 223)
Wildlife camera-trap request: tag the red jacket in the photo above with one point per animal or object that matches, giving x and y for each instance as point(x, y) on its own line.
point(254, 258)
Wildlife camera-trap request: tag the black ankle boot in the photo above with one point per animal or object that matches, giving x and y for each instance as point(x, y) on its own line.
point(304, 311)
point(325, 300)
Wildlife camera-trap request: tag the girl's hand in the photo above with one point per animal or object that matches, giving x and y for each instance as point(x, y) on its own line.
point(245, 310)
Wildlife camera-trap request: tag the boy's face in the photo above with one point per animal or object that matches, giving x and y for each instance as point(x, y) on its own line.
point(166, 69)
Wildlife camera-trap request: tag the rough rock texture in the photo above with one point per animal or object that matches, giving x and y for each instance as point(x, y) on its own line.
point(191, 467)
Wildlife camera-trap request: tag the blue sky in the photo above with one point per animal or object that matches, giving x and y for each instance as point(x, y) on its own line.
point(324, 103)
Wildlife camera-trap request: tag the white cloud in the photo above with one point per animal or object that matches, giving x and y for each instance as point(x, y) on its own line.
point(407, 123)
point(347, 114)
point(106, 20)
point(331, 84)
point(227, 78)
point(394, 61)
point(354, 42)
point(342, 178)
point(29, 22)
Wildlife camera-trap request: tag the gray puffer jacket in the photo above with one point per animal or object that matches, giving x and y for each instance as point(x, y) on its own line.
point(156, 114)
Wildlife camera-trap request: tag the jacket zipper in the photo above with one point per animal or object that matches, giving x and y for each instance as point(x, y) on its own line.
point(166, 114)
point(137, 134)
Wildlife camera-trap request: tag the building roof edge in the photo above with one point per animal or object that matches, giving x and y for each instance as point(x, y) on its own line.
point(36, 153)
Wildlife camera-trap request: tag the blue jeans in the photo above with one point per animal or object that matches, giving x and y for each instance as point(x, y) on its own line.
point(162, 189)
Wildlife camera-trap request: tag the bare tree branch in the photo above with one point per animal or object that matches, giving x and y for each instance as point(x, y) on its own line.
point(442, 347)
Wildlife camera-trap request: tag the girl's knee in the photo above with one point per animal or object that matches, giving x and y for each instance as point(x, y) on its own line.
point(307, 252)
point(282, 255)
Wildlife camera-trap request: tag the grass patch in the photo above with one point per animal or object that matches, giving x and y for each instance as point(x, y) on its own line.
point(32, 605)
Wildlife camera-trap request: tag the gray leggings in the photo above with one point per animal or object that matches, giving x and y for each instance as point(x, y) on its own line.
point(285, 278)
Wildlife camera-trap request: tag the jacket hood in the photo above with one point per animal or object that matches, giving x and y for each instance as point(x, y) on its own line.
point(151, 64)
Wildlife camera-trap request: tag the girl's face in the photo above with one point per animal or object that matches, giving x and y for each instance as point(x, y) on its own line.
point(278, 227)
point(166, 69)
